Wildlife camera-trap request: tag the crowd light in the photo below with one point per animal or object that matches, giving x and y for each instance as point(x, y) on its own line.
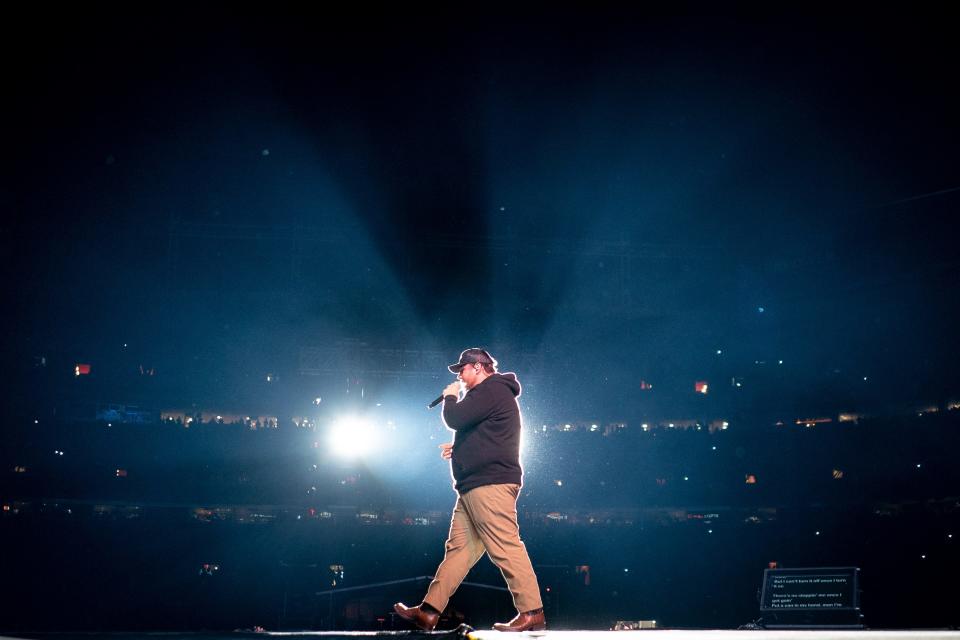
point(352, 437)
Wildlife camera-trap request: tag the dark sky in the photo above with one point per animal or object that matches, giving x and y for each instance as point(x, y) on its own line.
point(449, 173)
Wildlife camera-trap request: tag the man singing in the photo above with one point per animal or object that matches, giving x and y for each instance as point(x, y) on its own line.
point(485, 464)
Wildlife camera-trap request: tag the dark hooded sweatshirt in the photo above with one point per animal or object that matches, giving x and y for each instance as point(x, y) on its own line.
point(486, 446)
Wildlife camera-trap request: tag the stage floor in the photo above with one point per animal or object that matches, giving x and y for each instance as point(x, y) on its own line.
point(720, 634)
point(661, 634)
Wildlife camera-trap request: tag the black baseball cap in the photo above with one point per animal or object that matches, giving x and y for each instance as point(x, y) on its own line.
point(471, 356)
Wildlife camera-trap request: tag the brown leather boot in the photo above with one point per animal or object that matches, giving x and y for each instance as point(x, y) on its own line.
point(426, 619)
point(526, 621)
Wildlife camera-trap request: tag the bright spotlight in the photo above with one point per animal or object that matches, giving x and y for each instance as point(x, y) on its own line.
point(352, 437)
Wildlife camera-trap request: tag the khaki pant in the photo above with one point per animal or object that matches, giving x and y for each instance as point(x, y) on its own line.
point(485, 520)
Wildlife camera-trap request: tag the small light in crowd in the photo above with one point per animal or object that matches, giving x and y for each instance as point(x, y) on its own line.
point(714, 447)
point(864, 378)
point(36, 422)
point(760, 309)
point(109, 424)
point(923, 556)
point(544, 428)
point(918, 466)
point(317, 400)
point(686, 477)
point(949, 535)
point(709, 530)
point(719, 352)
point(724, 424)
point(559, 483)
point(593, 427)
point(626, 570)
point(816, 533)
point(566, 427)
point(645, 426)
point(779, 361)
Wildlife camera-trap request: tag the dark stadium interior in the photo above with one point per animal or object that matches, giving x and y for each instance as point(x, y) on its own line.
point(717, 249)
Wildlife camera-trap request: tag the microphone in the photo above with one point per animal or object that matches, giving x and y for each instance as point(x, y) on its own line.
point(435, 402)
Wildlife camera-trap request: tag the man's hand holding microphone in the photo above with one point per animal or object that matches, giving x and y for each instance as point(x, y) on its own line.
point(452, 389)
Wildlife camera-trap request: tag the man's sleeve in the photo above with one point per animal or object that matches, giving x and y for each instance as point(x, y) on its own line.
point(470, 411)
